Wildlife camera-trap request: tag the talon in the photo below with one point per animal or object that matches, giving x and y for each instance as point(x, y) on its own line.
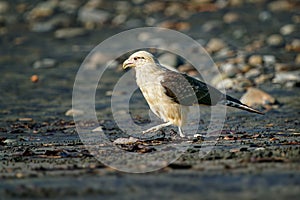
point(180, 132)
point(182, 135)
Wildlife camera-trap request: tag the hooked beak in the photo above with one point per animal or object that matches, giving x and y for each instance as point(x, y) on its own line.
point(128, 63)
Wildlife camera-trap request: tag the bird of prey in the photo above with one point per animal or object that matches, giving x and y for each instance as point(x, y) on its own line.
point(169, 94)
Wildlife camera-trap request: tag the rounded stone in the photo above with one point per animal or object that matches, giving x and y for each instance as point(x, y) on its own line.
point(4, 6)
point(280, 5)
point(230, 69)
point(287, 29)
point(275, 40)
point(253, 73)
point(168, 60)
point(231, 17)
point(225, 83)
point(269, 59)
point(255, 60)
point(255, 97)
point(297, 59)
point(294, 46)
point(215, 44)
point(44, 63)
point(65, 33)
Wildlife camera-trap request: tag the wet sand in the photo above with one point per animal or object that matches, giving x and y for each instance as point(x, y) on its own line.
point(41, 154)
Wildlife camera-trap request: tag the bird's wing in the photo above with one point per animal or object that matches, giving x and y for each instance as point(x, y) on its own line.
point(186, 90)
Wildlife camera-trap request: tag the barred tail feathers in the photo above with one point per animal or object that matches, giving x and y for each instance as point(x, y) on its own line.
point(237, 104)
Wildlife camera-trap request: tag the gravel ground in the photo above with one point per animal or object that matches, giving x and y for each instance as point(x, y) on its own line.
point(255, 44)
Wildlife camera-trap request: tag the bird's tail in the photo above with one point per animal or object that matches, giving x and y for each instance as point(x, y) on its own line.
point(232, 102)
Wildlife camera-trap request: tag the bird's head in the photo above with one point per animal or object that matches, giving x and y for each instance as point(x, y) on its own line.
point(139, 58)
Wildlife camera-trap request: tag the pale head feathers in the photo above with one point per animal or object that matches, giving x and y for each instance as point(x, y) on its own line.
point(139, 59)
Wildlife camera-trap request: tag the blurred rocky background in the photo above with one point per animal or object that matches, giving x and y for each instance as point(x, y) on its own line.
point(255, 45)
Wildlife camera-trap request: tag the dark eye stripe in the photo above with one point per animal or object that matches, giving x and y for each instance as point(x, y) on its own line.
point(135, 58)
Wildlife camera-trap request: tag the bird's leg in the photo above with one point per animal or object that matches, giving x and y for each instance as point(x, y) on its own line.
point(180, 132)
point(155, 128)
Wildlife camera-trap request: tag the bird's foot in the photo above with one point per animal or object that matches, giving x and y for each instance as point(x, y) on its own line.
point(180, 132)
point(150, 130)
point(156, 128)
point(181, 135)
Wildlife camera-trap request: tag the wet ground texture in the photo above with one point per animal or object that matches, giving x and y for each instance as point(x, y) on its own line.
point(255, 44)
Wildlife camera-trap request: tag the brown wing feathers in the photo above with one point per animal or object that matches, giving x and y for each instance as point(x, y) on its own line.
point(188, 91)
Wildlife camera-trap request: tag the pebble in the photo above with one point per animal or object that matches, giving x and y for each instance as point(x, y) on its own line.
point(287, 29)
point(69, 6)
point(173, 9)
point(44, 63)
point(230, 69)
point(65, 33)
point(244, 67)
point(275, 40)
point(253, 73)
point(259, 149)
point(280, 67)
point(193, 73)
point(255, 60)
point(151, 21)
point(227, 83)
point(239, 33)
point(212, 25)
point(186, 68)
point(289, 79)
point(229, 137)
point(256, 97)
point(133, 23)
point(269, 60)
point(56, 21)
point(123, 7)
point(215, 45)
point(19, 175)
point(293, 46)
point(181, 26)
point(93, 16)
point(241, 83)
point(7, 141)
point(119, 19)
point(254, 46)
point(129, 140)
point(21, 7)
point(96, 60)
point(34, 78)
point(263, 78)
point(168, 60)
point(264, 16)
point(41, 27)
point(280, 5)
point(25, 119)
point(94, 4)
point(154, 7)
point(231, 17)
point(176, 9)
point(296, 19)
point(74, 112)
point(4, 7)
point(235, 3)
point(218, 78)
point(297, 59)
point(42, 10)
point(98, 129)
